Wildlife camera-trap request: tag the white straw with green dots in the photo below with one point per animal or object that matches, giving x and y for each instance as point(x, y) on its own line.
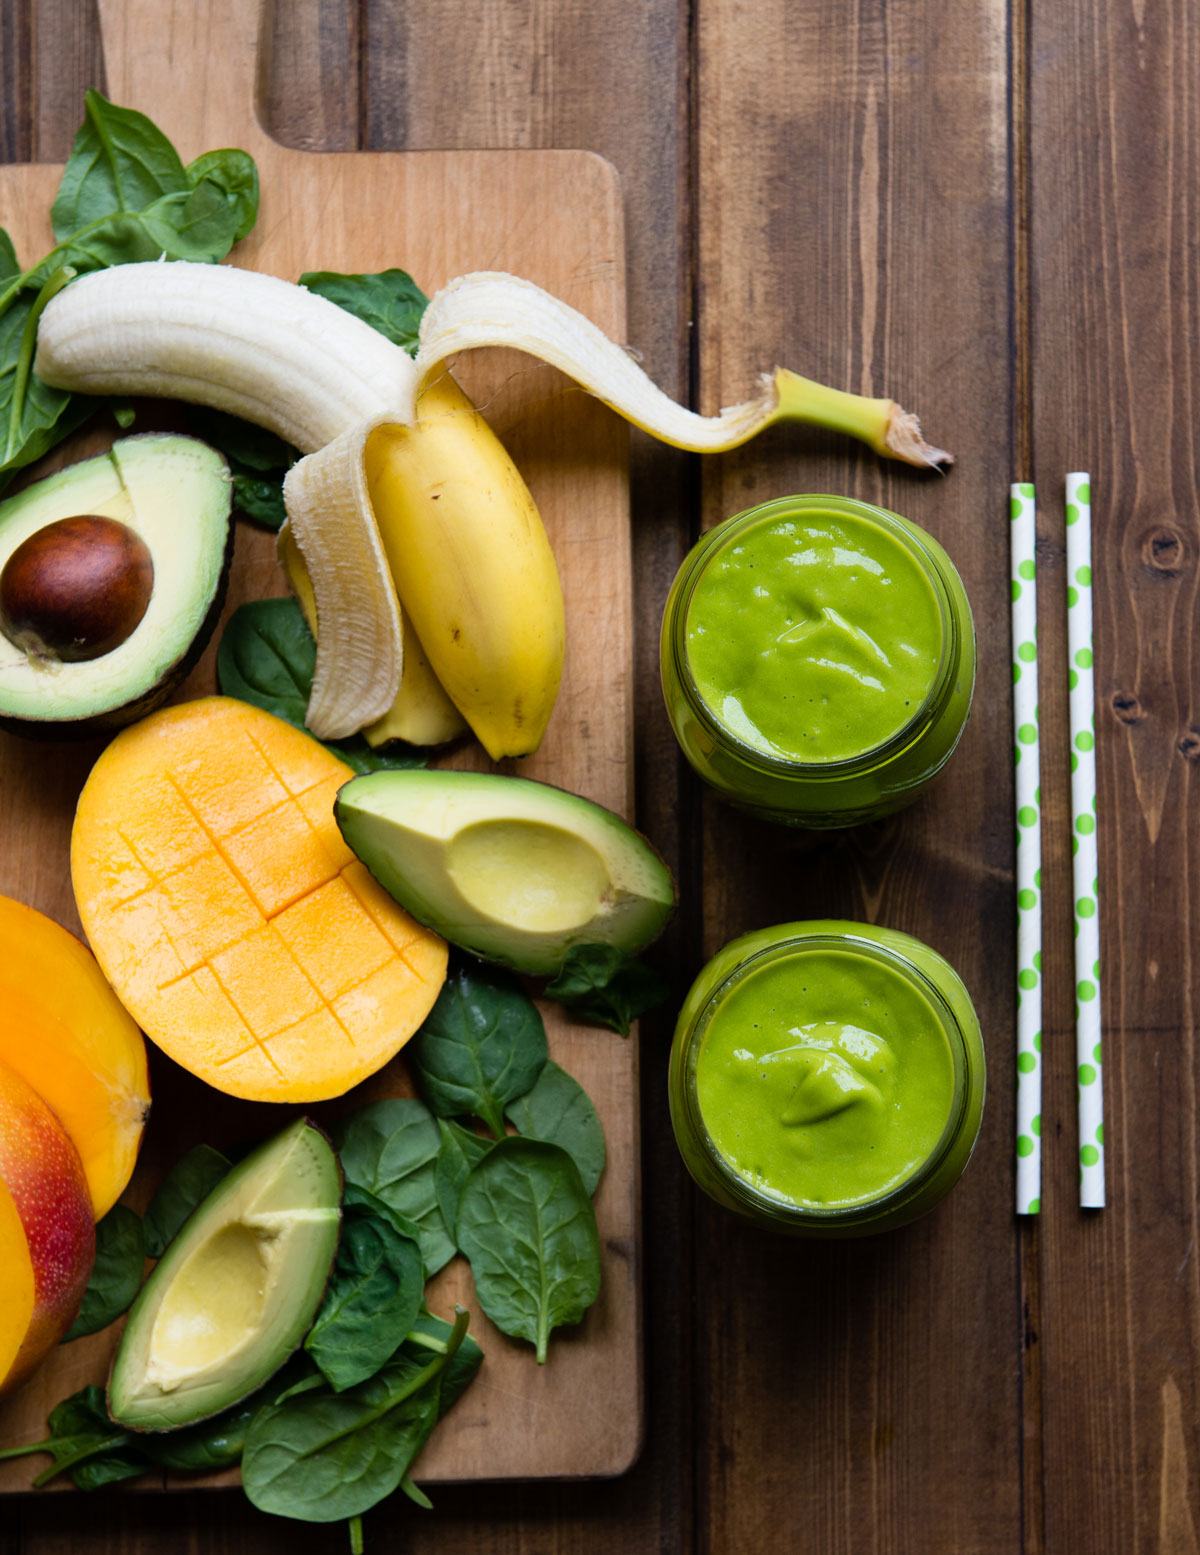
point(1082, 704)
point(1023, 541)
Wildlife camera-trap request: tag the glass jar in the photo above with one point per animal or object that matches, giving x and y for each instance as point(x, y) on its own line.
point(838, 655)
point(865, 1116)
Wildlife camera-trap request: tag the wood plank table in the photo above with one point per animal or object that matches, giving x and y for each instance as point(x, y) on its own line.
point(993, 211)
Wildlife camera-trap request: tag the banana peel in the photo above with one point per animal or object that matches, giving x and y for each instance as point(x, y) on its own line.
point(422, 713)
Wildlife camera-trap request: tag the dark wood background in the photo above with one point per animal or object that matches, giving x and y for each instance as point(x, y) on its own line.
point(992, 211)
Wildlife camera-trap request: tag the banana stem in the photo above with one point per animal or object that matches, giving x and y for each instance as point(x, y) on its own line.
point(882, 424)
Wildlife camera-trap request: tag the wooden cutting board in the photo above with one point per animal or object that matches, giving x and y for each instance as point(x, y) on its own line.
point(554, 216)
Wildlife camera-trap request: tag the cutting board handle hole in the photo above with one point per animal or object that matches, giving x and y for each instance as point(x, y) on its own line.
point(196, 67)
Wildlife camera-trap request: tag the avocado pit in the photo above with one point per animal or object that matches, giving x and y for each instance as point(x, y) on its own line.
point(111, 577)
point(76, 589)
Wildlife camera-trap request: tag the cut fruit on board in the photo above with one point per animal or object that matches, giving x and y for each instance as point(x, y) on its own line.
point(555, 217)
point(231, 919)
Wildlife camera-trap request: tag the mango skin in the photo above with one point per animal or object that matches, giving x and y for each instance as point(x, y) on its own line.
point(47, 1235)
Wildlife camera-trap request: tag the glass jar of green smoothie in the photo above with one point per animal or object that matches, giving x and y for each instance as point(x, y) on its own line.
point(827, 1078)
point(818, 660)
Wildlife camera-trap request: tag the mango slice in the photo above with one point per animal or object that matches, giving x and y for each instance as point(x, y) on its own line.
point(67, 1034)
point(233, 922)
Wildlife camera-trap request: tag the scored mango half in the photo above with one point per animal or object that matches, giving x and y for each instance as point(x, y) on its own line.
point(233, 922)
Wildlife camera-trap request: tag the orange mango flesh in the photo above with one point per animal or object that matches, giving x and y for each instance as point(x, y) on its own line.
point(47, 1236)
point(68, 1035)
point(235, 925)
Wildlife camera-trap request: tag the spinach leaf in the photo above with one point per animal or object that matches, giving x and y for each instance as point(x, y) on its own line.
point(183, 1190)
point(257, 459)
point(33, 416)
point(354, 1196)
point(390, 301)
point(242, 443)
point(217, 1443)
point(600, 983)
point(235, 173)
point(196, 224)
point(461, 1369)
point(80, 1430)
point(84, 1412)
point(461, 1150)
point(121, 1461)
point(559, 1111)
point(116, 1273)
point(527, 1225)
point(325, 1456)
point(208, 1446)
point(390, 1148)
point(481, 1046)
point(462, 1365)
point(267, 656)
point(372, 1301)
point(120, 161)
point(258, 498)
point(415, 1494)
point(9, 263)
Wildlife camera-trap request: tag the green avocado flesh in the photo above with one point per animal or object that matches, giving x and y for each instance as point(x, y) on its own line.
point(509, 869)
point(237, 1289)
point(175, 494)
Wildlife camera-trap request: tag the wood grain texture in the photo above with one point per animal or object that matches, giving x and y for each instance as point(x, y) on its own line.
point(853, 223)
point(1115, 228)
point(555, 217)
point(833, 185)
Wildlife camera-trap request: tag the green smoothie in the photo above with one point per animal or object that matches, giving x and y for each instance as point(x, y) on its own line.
point(818, 660)
point(825, 1078)
point(814, 636)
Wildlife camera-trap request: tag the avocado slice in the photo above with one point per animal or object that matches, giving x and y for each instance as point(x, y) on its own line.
point(509, 869)
point(174, 494)
point(236, 1291)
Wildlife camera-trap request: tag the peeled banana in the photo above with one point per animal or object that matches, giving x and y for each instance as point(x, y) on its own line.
point(405, 497)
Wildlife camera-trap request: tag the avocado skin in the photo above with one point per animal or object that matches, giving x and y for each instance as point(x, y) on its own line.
point(45, 730)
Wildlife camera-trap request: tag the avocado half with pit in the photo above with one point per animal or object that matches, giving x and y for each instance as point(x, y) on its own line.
point(236, 1291)
point(112, 574)
point(512, 870)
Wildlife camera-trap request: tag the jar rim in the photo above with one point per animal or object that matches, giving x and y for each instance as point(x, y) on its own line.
point(758, 1201)
point(940, 689)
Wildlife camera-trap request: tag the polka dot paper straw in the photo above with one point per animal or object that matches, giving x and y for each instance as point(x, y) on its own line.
point(1082, 703)
point(1023, 540)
